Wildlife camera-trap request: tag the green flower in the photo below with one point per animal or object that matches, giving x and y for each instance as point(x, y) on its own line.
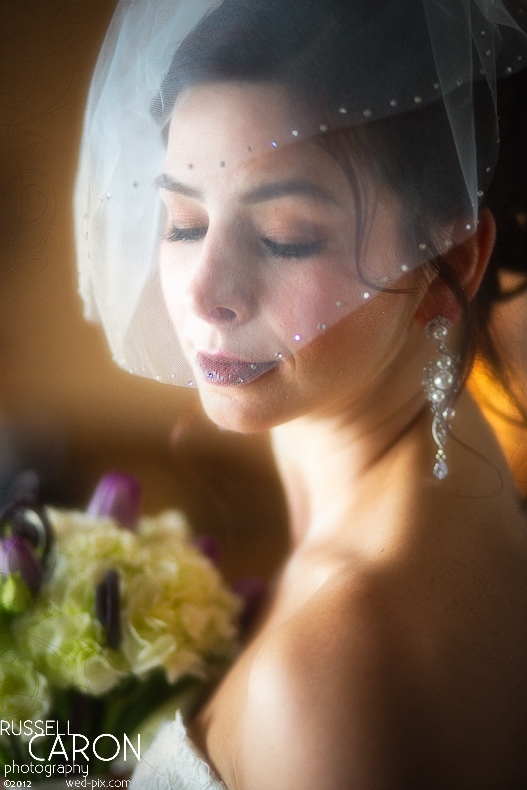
point(61, 633)
point(15, 595)
point(24, 691)
point(175, 611)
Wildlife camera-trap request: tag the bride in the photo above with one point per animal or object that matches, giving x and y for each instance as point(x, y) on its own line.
point(302, 208)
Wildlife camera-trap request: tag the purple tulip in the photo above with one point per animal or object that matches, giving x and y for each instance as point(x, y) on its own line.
point(117, 495)
point(17, 556)
point(210, 547)
point(26, 519)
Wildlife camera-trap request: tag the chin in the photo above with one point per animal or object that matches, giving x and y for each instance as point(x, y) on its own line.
point(232, 414)
point(251, 408)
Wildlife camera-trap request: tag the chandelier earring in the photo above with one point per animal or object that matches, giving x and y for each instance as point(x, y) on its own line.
point(439, 382)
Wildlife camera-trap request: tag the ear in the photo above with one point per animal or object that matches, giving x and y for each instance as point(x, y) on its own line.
point(469, 261)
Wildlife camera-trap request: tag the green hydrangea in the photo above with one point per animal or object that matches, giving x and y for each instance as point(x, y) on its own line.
point(175, 611)
point(15, 597)
point(24, 691)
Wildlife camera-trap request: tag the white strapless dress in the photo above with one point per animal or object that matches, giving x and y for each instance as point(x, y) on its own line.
point(173, 763)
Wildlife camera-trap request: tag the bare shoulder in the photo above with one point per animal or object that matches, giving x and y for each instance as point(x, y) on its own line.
point(357, 689)
point(323, 699)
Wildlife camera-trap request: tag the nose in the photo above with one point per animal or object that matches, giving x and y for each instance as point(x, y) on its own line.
point(223, 315)
point(220, 290)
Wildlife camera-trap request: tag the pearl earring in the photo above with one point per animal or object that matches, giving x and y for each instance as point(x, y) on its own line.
point(439, 383)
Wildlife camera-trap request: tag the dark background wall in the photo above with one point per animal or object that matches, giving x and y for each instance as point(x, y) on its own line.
point(65, 409)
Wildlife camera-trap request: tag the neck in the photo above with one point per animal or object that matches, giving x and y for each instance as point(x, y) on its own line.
point(332, 466)
point(371, 483)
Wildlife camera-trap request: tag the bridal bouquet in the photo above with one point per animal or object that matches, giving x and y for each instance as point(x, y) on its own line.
point(104, 616)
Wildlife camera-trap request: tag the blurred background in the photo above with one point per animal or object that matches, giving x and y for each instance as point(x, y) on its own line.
point(66, 410)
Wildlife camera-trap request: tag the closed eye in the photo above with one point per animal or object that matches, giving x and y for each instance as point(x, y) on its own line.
point(186, 234)
point(299, 250)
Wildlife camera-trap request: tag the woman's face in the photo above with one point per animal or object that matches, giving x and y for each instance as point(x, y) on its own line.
point(259, 259)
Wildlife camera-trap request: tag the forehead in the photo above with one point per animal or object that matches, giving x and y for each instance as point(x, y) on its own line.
point(254, 114)
point(228, 130)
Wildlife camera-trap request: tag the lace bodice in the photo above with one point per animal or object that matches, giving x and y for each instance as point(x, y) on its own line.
point(174, 763)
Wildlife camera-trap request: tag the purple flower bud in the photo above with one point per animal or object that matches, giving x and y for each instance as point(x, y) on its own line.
point(209, 546)
point(28, 520)
point(251, 590)
point(117, 495)
point(17, 556)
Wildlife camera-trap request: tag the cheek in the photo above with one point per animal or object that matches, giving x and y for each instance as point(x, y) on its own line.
point(292, 304)
point(350, 360)
point(173, 286)
point(312, 300)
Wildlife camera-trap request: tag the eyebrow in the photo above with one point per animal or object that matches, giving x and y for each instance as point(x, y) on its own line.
point(259, 194)
point(164, 181)
point(288, 188)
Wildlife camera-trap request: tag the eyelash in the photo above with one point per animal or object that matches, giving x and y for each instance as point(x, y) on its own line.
point(186, 234)
point(292, 250)
point(276, 249)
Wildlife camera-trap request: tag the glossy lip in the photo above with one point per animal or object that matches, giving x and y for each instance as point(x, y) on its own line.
point(225, 371)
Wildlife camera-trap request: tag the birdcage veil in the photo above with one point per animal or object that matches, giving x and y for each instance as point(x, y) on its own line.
point(410, 85)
